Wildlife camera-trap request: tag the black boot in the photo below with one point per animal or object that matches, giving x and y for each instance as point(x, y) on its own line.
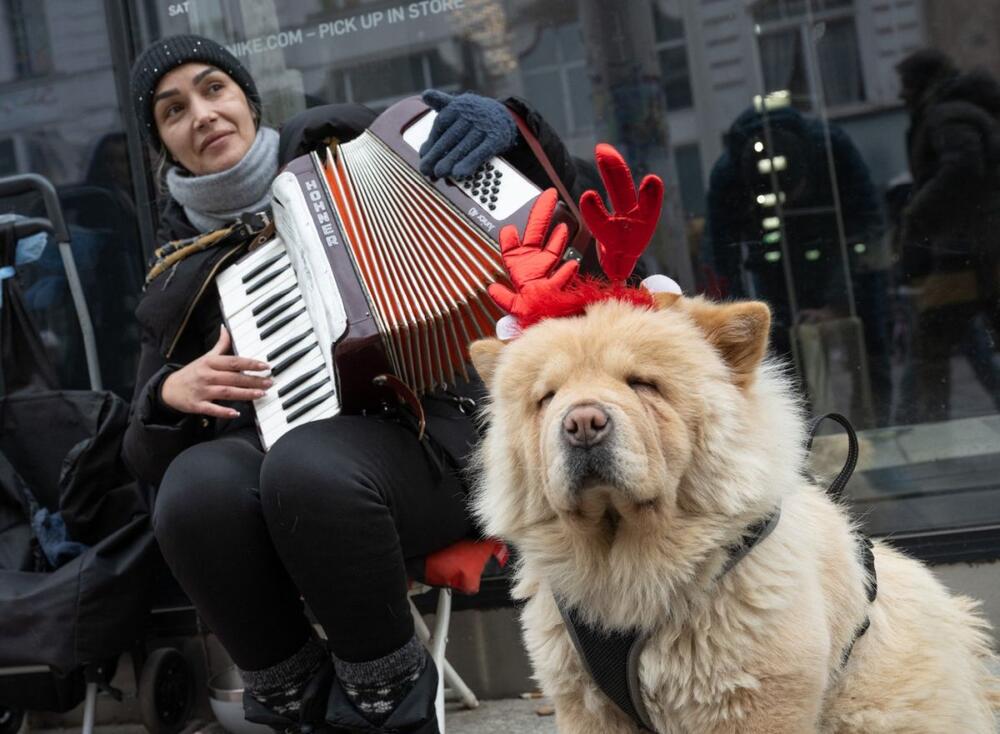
point(414, 714)
point(309, 719)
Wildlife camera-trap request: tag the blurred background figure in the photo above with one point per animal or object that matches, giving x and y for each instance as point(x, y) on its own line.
point(772, 232)
point(949, 228)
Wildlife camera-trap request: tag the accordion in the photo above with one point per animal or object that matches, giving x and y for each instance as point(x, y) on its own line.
point(376, 276)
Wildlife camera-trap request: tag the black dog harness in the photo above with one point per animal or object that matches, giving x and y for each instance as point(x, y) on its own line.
point(611, 658)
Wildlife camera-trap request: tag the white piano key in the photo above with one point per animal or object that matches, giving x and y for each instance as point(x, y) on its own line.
point(232, 277)
point(271, 401)
point(236, 300)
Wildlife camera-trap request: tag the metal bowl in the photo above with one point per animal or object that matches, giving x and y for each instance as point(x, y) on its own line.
point(226, 698)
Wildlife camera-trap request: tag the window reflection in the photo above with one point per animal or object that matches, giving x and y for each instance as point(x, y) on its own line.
point(778, 127)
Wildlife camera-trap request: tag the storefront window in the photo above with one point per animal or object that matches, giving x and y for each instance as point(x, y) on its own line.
point(777, 125)
point(60, 118)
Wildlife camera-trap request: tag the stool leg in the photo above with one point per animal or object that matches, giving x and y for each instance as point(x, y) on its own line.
point(90, 709)
point(451, 676)
point(441, 621)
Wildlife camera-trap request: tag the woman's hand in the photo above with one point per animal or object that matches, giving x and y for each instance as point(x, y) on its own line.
point(216, 375)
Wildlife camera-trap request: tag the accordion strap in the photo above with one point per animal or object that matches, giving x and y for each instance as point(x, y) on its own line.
point(583, 236)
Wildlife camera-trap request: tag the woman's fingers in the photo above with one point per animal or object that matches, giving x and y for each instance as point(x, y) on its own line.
point(228, 363)
point(237, 379)
point(215, 411)
point(232, 393)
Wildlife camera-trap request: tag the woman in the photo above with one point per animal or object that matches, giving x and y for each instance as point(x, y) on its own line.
point(331, 512)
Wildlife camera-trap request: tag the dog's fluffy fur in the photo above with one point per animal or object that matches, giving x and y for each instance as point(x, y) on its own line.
point(705, 438)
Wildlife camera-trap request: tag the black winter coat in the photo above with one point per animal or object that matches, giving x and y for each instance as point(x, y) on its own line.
point(952, 221)
point(180, 314)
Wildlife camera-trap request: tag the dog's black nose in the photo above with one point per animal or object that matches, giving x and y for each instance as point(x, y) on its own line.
point(586, 425)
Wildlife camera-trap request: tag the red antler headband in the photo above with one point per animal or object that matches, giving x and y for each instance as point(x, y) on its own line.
point(543, 288)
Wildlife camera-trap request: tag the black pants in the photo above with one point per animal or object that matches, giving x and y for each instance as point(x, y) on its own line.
point(328, 515)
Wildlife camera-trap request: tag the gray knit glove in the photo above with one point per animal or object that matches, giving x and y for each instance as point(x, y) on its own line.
point(468, 131)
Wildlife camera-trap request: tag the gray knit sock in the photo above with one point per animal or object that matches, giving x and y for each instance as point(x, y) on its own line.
point(280, 687)
point(376, 687)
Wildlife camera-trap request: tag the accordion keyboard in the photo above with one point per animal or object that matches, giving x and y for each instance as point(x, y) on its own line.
point(265, 309)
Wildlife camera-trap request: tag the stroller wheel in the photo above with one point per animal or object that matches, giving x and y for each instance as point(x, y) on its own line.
point(166, 691)
point(10, 720)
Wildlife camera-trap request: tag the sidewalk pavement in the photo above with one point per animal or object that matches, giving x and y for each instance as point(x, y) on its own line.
point(505, 716)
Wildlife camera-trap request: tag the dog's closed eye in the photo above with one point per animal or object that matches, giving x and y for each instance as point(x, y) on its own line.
point(639, 385)
point(545, 399)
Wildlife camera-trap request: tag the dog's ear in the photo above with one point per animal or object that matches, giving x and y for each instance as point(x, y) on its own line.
point(485, 354)
point(665, 300)
point(738, 330)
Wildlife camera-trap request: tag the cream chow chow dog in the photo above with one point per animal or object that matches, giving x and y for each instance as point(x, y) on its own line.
point(628, 451)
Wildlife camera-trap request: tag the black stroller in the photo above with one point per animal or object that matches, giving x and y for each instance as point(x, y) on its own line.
point(76, 550)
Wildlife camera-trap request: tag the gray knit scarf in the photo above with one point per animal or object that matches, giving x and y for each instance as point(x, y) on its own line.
point(216, 199)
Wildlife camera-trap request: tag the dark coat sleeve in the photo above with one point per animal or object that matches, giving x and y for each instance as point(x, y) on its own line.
point(522, 157)
point(962, 156)
point(318, 126)
point(156, 434)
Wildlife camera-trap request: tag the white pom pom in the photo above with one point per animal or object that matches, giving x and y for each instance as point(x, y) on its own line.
point(661, 284)
point(508, 328)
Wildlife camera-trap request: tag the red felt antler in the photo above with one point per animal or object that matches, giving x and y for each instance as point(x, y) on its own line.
point(622, 236)
point(530, 261)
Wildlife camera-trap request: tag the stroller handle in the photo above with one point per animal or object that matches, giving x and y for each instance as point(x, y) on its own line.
point(55, 223)
point(26, 182)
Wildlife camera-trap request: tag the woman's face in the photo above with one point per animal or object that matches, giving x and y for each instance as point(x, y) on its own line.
point(203, 118)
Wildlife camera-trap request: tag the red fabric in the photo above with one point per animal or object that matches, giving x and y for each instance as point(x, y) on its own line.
point(460, 566)
point(531, 260)
point(573, 301)
point(622, 236)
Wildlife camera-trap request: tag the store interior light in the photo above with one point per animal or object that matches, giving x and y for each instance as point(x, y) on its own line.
point(764, 165)
point(772, 101)
point(860, 248)
point(771, 223)
point(780, 163)
point(772, 237)
point(772, 256)
point(758, 146)
point(812, 255)
point(767, 199)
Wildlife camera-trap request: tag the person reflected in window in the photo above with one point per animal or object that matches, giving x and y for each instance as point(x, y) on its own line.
point(328, 516)
point(949, 243)
point(744, 236)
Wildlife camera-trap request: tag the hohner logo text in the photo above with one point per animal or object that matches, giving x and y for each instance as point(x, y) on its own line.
point(321, 213)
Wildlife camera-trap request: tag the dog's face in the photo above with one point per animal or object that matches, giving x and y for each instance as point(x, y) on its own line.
point(598, 423)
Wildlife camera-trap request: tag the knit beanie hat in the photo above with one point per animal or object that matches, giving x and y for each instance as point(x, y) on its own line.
point(169, 53)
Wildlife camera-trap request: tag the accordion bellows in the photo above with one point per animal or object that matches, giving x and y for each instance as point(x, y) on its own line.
point(424, 270)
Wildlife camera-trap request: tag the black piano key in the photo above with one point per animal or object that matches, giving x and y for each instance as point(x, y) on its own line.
point(302, 394)
point(270, 330)
point(266, 278)
point(309, 406)
point(286, 346)
point(271, 300)
point(262, 267)
point(273, 314)
point(304, 377)
point(291, 359)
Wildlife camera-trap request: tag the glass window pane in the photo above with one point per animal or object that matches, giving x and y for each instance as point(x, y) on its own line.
point(676, 81)
point(783, 62)
point(579, 94)
point(862, 311)
point(840, 63)
point(545, 88)
point(60, 118)
point(668, 27)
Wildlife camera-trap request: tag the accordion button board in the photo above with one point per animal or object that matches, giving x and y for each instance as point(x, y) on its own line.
point(498, 187)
